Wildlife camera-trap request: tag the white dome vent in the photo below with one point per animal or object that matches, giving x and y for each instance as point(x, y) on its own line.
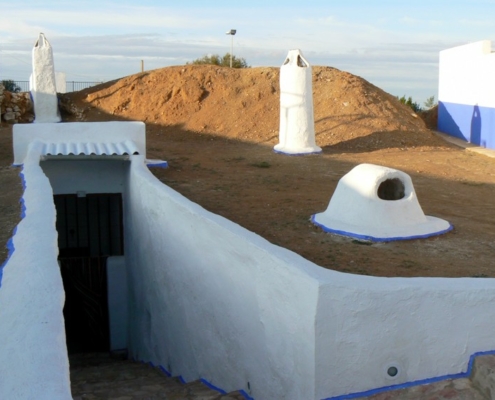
point(377, 203)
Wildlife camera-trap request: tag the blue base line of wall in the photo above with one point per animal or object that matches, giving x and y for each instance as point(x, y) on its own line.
point(369, 238)
point(165, 371)
point(415, 383)
point(211, 386)
point(163, 164)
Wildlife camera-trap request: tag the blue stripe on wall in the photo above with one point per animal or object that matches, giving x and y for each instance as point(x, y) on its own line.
point(472, 123)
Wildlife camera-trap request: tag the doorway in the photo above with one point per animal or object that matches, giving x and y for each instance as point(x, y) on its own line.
point(89, 230)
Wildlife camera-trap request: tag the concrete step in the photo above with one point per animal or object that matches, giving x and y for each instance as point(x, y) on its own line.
point(99, 376)
point(483, 375)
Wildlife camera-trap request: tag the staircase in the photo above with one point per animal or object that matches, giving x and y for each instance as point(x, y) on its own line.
point(102, 377)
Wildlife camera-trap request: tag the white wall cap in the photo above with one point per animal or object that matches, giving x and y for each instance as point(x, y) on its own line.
point(58, 134)
point(476, 48)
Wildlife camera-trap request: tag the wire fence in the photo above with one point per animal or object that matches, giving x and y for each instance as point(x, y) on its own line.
point(71, 86)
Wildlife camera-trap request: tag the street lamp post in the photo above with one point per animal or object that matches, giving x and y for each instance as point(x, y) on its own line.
point(231, 33)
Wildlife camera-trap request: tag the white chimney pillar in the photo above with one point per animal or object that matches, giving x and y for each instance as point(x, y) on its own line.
point(297, 131)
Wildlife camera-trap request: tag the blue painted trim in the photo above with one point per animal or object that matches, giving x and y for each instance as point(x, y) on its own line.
point(472, 123)
point(245, 395)
point(415, 383)
point(377, 239)
point(165, 371)
point(10, 242)
point(163, 164)
point(211, 386)
point(297, 154)
point(181, 379)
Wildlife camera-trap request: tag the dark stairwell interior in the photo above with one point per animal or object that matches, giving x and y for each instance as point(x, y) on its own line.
point(89, 230)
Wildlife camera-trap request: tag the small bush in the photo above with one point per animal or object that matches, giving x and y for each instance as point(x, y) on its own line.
point(262, 164)
point(409, 102)
point(430, 102)
point(224, 61)
point(11, 86)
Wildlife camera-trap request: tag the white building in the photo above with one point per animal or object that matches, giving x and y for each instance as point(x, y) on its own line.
point(203, 297)
point(466, 93)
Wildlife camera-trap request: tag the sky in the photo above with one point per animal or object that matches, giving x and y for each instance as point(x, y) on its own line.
point(393, 44)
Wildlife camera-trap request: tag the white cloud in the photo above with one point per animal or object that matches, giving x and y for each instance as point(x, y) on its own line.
point(394, 47)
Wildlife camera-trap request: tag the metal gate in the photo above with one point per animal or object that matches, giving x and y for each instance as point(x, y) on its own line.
point(86, 304)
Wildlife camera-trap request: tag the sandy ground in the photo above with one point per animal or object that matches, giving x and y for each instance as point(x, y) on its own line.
point(217, 126)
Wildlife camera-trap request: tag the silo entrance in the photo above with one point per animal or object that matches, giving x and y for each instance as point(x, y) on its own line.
point(89, 230)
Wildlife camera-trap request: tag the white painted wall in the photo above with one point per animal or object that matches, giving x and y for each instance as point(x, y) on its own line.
point(33, 358)
point(60, 82)
point(466, 74)
point(427, 327)
point(210, 299)
point(90, 176)
point(466, 104)
point(117, 302)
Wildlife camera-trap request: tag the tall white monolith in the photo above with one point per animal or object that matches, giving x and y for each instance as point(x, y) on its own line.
point(43, 83)
point(297, 126)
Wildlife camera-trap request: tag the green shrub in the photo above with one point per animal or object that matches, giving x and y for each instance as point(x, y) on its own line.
point(409, 102)
point(11, 86)
point(430, 102)
point(224, 61)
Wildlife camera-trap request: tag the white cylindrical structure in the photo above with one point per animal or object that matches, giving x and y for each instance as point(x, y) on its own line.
point(61, 82)
point(43, 83)
point(297, 126)
point(377, 203)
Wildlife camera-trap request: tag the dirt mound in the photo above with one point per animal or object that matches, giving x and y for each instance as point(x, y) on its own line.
point(244, 104)
point(216, 128)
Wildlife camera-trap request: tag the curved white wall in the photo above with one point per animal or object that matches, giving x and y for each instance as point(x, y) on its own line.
point(466, 101)
point(210, 299)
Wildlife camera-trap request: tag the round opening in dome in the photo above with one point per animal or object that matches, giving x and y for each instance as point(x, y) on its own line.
point(391, 189)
